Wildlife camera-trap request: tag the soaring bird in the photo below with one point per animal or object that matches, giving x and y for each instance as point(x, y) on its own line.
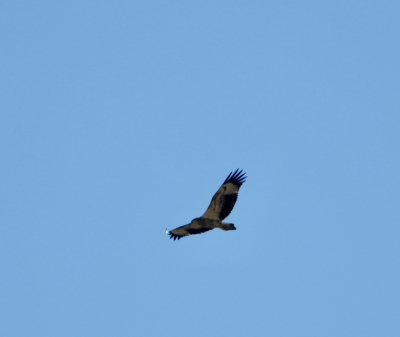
point(220, 207)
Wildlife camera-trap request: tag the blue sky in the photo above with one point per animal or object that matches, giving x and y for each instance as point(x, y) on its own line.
point(121, 119)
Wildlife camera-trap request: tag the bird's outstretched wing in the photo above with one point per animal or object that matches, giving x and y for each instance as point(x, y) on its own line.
point(186, 230)
point(224, 200)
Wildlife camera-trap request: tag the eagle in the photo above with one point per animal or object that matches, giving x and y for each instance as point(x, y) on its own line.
point(221, 206)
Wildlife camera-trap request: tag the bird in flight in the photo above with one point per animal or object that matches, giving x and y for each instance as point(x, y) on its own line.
point(220, 207)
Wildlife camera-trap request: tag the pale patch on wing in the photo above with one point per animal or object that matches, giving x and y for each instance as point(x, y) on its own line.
point(213, 210)
point(224, 200)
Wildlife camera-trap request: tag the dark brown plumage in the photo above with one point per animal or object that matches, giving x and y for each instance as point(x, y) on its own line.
point(220, 207)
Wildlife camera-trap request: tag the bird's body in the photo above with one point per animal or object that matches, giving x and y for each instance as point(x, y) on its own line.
point(220, 207)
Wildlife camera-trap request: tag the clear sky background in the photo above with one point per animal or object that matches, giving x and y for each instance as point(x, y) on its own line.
point(120, 119)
